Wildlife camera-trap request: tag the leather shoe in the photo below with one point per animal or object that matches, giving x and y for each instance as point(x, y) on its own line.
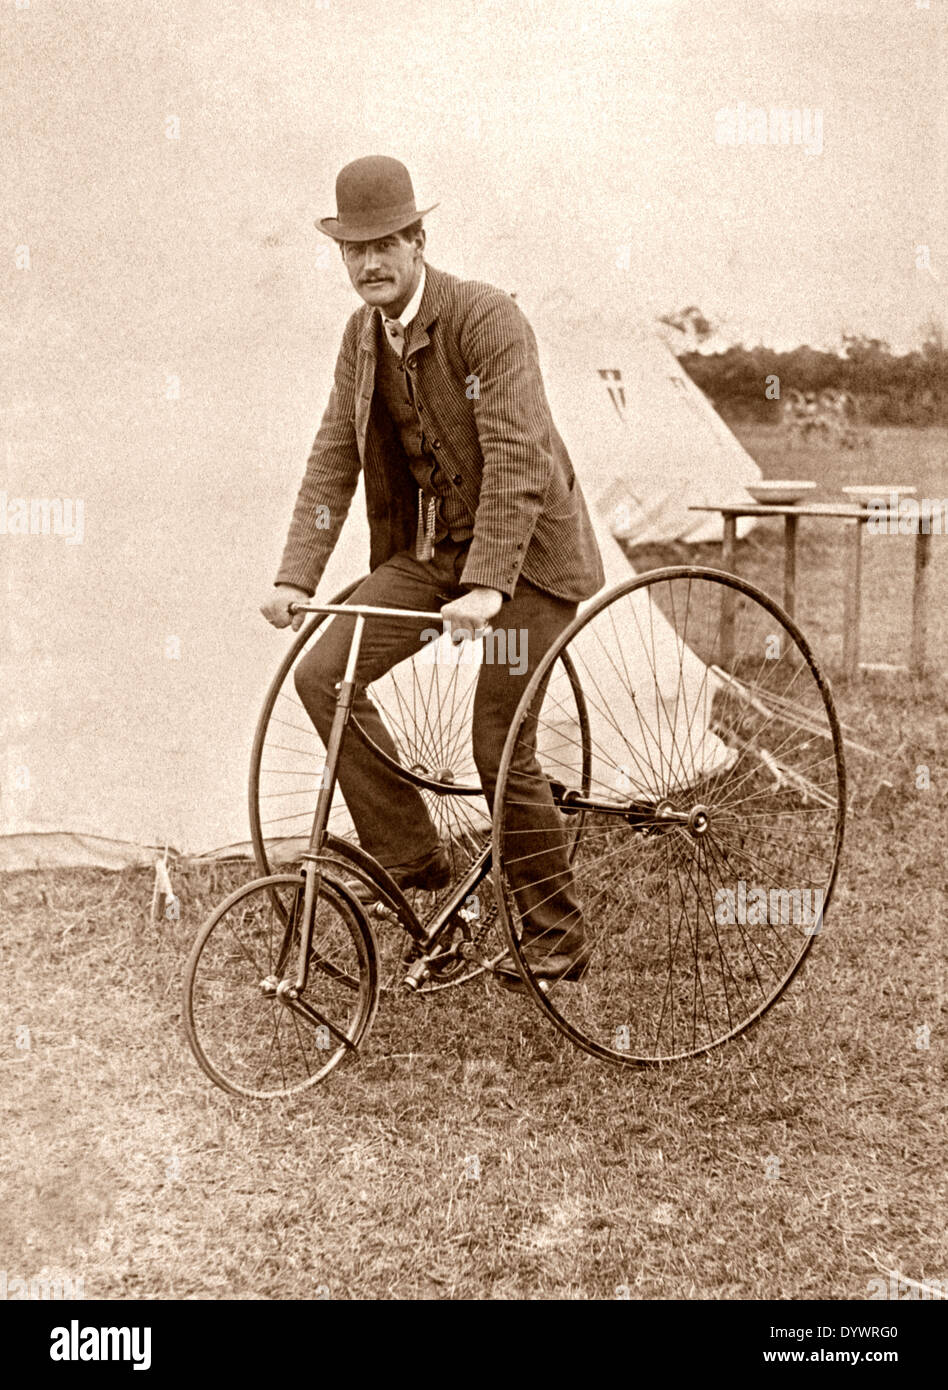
point(545, 963)
point(430, 874)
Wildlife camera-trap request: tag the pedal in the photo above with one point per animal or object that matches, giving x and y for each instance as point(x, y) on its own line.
point(418, 974)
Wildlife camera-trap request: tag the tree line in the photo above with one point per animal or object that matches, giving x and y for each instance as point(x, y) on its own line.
point(888, 388)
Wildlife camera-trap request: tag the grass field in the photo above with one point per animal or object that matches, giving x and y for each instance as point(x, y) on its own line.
point(472, 1153)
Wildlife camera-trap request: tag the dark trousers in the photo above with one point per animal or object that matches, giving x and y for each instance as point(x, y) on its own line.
point(389, 814)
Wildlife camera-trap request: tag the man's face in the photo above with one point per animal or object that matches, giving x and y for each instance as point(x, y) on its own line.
point(385, 272)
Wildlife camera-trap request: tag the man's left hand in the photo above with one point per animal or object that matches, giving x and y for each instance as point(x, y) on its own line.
point(472, 612)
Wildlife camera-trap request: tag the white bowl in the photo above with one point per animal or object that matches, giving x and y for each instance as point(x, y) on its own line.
point(779, 491)
point(869, 492)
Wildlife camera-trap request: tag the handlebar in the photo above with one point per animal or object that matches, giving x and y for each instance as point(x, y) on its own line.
point(363, 610)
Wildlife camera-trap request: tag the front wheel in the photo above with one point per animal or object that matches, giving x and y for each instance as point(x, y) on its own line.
point(248, 1039)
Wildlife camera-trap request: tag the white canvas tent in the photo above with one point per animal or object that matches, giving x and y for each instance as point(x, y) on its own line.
point(132, 694)
point(650, 442)
point(174, 320)
point(135, 660)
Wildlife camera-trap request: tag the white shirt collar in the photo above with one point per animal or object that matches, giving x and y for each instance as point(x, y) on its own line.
point(414, 304)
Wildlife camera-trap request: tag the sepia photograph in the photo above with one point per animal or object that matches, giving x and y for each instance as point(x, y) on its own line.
point(473, 788)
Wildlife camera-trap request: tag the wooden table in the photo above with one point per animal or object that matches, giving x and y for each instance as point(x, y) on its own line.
point(856, 517)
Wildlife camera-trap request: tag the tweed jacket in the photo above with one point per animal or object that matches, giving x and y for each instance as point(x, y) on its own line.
point(475, 375)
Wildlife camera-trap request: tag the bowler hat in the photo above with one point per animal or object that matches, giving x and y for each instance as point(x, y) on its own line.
point(374, 198)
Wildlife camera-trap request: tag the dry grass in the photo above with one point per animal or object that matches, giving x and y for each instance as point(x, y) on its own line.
point(122, 1165)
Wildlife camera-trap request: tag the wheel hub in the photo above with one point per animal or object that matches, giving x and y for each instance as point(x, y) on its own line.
point(664, 815)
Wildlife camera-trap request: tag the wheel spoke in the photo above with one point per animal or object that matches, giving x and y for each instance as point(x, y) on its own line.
point(730, 733)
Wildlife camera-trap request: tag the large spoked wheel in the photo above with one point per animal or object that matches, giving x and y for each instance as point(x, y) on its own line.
point(426, 706)
point(713, 824)
point(249, 1039)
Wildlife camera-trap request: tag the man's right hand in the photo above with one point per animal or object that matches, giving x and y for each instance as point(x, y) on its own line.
point(276, 610)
